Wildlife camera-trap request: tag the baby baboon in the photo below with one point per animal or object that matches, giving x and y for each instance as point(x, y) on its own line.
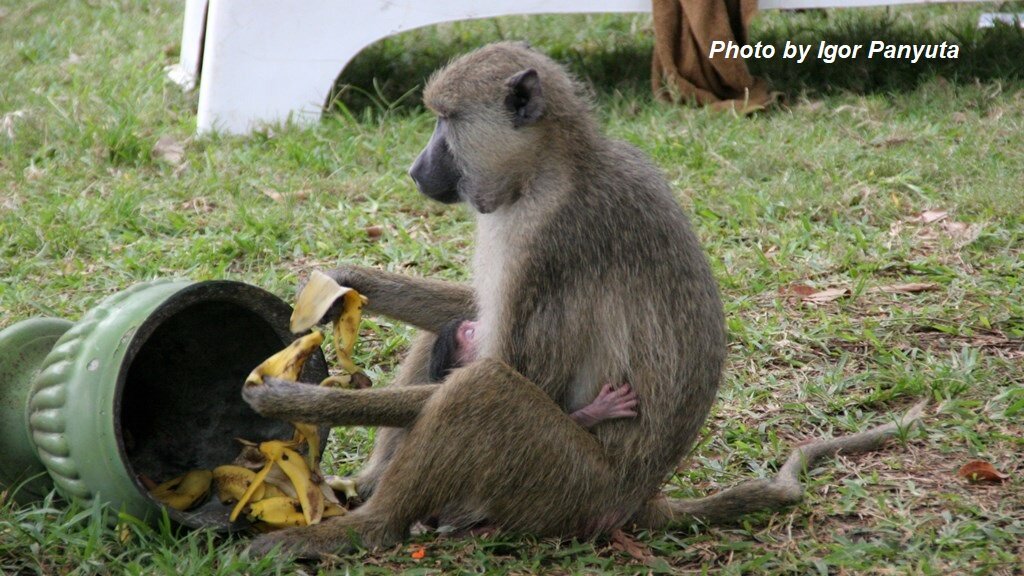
point(456, 347)
point(585, 271)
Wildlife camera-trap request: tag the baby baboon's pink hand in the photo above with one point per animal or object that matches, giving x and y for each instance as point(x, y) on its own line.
point(610, 403)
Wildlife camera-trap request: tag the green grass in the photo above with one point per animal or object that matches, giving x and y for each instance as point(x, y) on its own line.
point(822, 192)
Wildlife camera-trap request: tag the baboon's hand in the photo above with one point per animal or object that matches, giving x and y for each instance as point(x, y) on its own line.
point(281, 399)
point(345, 275)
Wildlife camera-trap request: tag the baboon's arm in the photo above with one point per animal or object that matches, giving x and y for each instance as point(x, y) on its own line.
point(422, 302)
point(783, 490)
point(294, 402)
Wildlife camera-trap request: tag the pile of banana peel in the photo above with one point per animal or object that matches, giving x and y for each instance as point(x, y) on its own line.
point(279, 483)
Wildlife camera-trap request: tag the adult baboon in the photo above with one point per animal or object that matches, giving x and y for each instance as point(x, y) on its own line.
point(586, 271)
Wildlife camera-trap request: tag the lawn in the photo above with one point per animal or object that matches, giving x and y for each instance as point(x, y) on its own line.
point(896, 189)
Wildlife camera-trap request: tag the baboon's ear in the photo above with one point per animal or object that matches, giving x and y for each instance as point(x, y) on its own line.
point(525, 98)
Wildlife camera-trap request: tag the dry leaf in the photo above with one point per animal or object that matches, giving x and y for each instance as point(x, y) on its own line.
point(812, 105)
point(893, 141)
point(279, 197)
point(7, 122)
point(905, 288)
point(124, 532)
point(250, 457)
point(895, 229)
point(274, 195)
point(853, 110)
point(32, 173)
point(625, 543)
point(954, 228)
point(797, 290)
point(930, 216)
point(199, 204)
point(963, 233)
point(979, 471)
point(991, 339)
point(996, 113)
point(824, 296)
point(10, 203)
point(169, 150)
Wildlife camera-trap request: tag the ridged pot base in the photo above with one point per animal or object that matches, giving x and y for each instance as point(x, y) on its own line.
point(23, 347)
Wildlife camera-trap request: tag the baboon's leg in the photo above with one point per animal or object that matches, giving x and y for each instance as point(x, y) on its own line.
point(783, 490)
point(385, 443)
point(489, 445)
point(412, 371)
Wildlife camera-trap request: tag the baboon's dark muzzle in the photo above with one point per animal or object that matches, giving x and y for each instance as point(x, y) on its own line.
point(434, 170)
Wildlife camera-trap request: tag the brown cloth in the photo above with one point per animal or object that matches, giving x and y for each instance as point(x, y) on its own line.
point(681, 70)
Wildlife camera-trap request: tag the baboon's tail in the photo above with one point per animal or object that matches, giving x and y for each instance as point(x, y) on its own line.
point(783, 490)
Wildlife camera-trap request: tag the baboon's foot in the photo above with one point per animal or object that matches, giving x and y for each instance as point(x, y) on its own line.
point(336, 536)
point(483, 530)
point(309, 542)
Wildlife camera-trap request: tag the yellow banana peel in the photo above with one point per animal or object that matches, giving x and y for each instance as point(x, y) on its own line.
point(319, 294)
point(292, 463)
point(346, 329)
point(307, 490)
point(331, 510)
point(232, 482)
point(310, 434)
point(275, 490)
point(317, 297)
point(278, 512)
point(186, 491)
point(288, 363)
point(257, 481)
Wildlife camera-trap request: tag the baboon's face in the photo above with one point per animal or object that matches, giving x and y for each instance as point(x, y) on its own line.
point(434, 171)
point(479, 151)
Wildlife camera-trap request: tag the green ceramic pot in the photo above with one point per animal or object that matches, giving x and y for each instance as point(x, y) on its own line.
point(146, 385)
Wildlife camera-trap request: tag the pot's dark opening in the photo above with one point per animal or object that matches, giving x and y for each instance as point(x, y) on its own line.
point(179, 396)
